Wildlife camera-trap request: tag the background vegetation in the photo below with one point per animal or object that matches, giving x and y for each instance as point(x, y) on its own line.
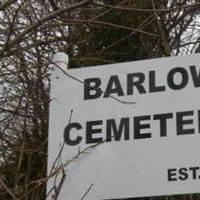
point(91, 32)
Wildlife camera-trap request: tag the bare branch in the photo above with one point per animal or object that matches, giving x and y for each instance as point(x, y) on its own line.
point(143, 10)
point(7, 189)
point(40, 22)
point(6, 4)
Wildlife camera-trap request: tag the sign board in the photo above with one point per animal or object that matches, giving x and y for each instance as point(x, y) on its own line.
point(145, 119)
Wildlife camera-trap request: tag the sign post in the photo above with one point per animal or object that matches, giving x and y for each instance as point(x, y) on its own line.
point(134, 128)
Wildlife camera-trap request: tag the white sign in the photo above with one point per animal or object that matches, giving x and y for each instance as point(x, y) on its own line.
point(145, 118)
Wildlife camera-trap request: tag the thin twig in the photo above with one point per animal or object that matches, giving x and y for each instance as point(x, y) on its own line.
point(58, 189)
point(87, 85)
point(40, 22)
point(82, 82)
point(83, 197)
point(104, 23)
point(8, 190)
point(62, 147)
point(146, 10)
point(164, 43)
point(105, 12)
